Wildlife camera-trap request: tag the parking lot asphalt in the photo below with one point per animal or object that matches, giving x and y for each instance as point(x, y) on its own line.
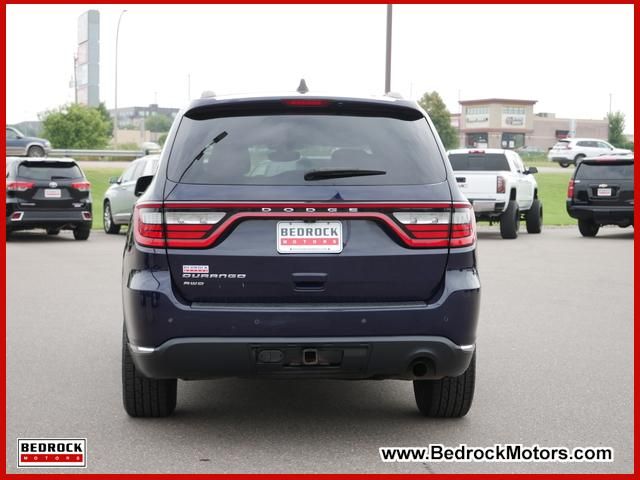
point(555, 368)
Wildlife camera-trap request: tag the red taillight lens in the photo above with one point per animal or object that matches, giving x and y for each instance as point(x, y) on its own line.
point(19, 186)
point(500, 184)
point(443, 228)
point(154, 227)
point(81, 186)
point(306, 102)
point(570, 189)
point(200, 225)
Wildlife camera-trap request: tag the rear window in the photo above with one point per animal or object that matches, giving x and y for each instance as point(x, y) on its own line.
point(49, 171)
point(605, 171)
point(479, 161)
point(560, 145)
point(280, 149)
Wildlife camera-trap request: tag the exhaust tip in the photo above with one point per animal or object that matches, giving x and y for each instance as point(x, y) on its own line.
point(420, 368)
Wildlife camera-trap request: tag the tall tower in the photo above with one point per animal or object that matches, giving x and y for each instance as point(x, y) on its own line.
point(88, 59)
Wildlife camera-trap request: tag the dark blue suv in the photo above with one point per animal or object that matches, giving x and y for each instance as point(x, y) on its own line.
point(301, 237)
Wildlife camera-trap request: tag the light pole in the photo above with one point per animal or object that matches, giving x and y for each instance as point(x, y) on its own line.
point(387, 75)
point(115, 122)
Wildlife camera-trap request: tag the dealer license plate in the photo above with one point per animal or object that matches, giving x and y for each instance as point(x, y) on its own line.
point(52, 193)
point(309, 237)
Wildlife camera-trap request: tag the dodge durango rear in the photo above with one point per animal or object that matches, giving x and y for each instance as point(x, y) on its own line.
point(301, 237)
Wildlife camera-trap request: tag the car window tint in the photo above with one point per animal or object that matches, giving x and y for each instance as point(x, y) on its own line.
point(605, 171)
point(130, 173)
point(151, 166)
point(280, 149)
point(48, 171)
point(479, 161)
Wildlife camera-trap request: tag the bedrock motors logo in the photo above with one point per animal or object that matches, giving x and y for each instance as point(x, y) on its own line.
point(52, 452)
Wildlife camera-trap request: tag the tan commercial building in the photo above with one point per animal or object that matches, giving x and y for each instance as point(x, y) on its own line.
point(510, 123)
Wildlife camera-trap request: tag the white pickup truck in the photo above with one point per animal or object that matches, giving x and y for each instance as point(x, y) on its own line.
point(500, 188)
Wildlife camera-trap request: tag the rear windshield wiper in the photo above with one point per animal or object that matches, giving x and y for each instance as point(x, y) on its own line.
point(325, 174)
point(218, 138)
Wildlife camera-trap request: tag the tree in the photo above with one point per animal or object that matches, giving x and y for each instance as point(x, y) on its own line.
point(157, 123)
point(441, 118)
point(75, 126)
point(102, 109)
point(616, 130)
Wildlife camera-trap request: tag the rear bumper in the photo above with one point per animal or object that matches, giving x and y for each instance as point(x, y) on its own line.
point(308, 357)
point(561, 158)
point(48, 218)
point(181, 340)
point(604, 215)
point(487, 207)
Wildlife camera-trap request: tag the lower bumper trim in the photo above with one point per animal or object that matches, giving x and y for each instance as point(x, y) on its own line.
point(336, 357)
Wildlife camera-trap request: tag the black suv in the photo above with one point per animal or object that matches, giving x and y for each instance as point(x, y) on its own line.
point(601, 193)
point(48, 193)
point(301, 237)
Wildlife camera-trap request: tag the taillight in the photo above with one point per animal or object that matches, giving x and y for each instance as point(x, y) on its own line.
point(444, 228)
point(173, 228)
point(19, 186)
point(307, 102)
point(81, 186)
point(500, 184)
point(570, 189)
point(200, 225)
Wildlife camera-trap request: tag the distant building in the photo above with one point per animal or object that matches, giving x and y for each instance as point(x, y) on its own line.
point(129, 117)
point(511, 123)
point(87, 60)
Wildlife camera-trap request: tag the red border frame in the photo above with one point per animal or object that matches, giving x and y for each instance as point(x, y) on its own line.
point(327, 476)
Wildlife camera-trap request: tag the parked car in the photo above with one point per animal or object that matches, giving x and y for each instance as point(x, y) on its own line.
point(529, 151)
point(601, 193)
point(150, 148)
point(571, 151)
point(117, 205)
point(21, 145)
point(53, 194)
point(500, 187)
point(301, 237)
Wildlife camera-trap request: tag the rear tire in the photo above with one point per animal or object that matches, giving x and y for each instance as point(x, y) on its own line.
point(35, 151)
point(510, 221)
point(53, 231)
point(81, 232)
point(145, 397)
point(533, 217)
point(588, 228)
point(107, 219)
point(449, 397)
point(564, 164)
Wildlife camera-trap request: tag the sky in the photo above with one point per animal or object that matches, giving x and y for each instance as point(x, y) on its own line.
point(573, 59)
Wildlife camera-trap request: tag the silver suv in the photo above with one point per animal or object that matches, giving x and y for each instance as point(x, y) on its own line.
point(119, 197)
point(571, 151)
